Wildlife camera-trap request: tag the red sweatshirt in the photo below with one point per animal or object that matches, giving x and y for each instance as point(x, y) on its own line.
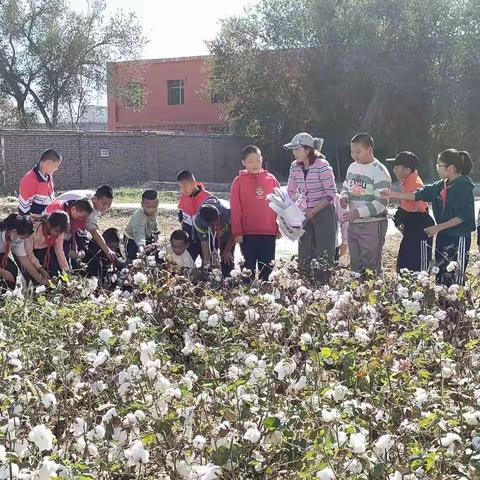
point(189, 204)
point(250, 213)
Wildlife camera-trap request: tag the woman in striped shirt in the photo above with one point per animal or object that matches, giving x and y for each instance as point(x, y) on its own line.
point(311, 180)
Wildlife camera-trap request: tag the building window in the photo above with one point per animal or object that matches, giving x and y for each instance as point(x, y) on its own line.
point(175, 92)
point(133, 96)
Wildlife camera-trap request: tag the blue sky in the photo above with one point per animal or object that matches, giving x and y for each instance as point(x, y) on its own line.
point(177, 28)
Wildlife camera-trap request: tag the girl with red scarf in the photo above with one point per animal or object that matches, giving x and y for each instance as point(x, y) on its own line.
point(45, 246)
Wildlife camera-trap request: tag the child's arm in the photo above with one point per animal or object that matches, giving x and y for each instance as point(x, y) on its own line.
point(139, 231)
point(344, 194)
point(291, 185)
point(226, 253)
point(202, 232)
point(390, 195)
point(435, 229)
point(28, 266)
point(58, 247)
point(101, 243)
point(26, 192)
point(236, 212)
point(31, 256)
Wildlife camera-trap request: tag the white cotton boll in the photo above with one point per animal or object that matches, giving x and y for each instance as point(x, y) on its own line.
point(339, 393)
point(449, 440)
point(140, 279)
point(472, 417)
point(136, 262)
point(234, 372)
point(16, 364)
point(213, 320)
point(137, 454)
point(452, 266)
point(199, 442)
point(252, 435)
point(48, 399)
point(353, 466)
point(42, 437)
point(329, 415)
point(105, 335)
point(358, 443)
point(99, 432)
point(40, 289)
point(21, 448)
point(206, 472)
point(300, 384)
point(109, 415)
point(284, 368)
point(203, 315)
point(92, 284)
point(92, 450)
point(9, 471)
point(326, 474)
point(229, 317)
point(305, 339)
point(139, 415)
point(100, 359)
point(421, 397)
point(251, 360)
point(403, 292)
point(3, 454)
point(126, 336)
point(48, 469)
point(383, 445)
point(361, 336)
point(211, 303)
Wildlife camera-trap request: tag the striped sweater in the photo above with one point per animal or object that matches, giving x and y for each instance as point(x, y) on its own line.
point(362, 186)
point(317, 184)
point(35, 192)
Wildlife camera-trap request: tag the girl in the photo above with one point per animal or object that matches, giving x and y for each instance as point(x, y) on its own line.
point(311, 176)
point(453, 207)
point(13, 231)
point(45, 246)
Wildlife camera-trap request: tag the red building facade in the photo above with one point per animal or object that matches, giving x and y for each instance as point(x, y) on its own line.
point(167, 95)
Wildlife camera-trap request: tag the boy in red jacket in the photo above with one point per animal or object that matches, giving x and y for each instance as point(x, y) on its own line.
point(193, 194)
point(254, 223)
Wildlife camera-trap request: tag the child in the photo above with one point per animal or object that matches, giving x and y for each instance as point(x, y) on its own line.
point(311, 177)
point(98, 264)
point(179, 250)
point(102, 200)
point(36, 190)
point(193, 194)
point(454, 211)
point(45, 246)
point(254, 223)
point(412, 217)
point(78, 211)
point(367, 217)
point(142, 227)
point(212, 225)
point(14, 230)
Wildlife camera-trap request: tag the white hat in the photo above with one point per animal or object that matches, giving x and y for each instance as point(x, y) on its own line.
point(304, 140)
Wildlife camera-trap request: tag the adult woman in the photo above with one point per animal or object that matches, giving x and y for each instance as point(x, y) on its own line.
point(312, 180)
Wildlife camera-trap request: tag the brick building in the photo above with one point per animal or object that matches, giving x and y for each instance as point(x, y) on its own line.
point(118, 158)
point(167, 95)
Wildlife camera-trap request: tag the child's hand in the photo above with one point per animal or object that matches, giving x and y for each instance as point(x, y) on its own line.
point(7, 276)
point(387, 194)
point(239, 239)
point(342, 250)
point(227, 258)
point(310, 213)
point(432, 231)
point(44, 274)
point(344, 202)
point(351, 216)
point(111, 255)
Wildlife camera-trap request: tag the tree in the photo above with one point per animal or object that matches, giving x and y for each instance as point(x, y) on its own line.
point(57, 58)
point(405, 70)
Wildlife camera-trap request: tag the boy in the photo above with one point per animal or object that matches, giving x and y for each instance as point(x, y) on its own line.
point(193, 194)
point(36, 190)
point(179, 250)
point(212, 225)
point(254, 223)
point(412, 217)
point(78, 212)
point(142, 227)
point(98, 263)
point(367, 217)
point(102, 200)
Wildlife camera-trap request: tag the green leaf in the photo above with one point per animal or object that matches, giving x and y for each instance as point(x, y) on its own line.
point(272, 423)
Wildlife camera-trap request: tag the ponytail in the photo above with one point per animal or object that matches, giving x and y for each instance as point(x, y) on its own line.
point(21, 223)
point(467, 163)
point(460, 160)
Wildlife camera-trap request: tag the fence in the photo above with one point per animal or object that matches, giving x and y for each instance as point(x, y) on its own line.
point(118, 158)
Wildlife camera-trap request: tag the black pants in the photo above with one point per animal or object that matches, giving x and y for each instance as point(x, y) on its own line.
point(53, 268)
point(416, 248)
point(259, 249)
point(131, 247)
point(13, 269)
point(450, 248)
point(98, 265)
point(194, 246)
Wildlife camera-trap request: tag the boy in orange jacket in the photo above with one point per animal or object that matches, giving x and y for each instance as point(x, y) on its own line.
point(254, 223)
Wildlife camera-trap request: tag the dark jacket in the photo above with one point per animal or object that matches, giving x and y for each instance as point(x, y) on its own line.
point(450, 200)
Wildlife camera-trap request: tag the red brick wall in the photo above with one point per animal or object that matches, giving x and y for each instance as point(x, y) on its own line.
point(134, 158)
